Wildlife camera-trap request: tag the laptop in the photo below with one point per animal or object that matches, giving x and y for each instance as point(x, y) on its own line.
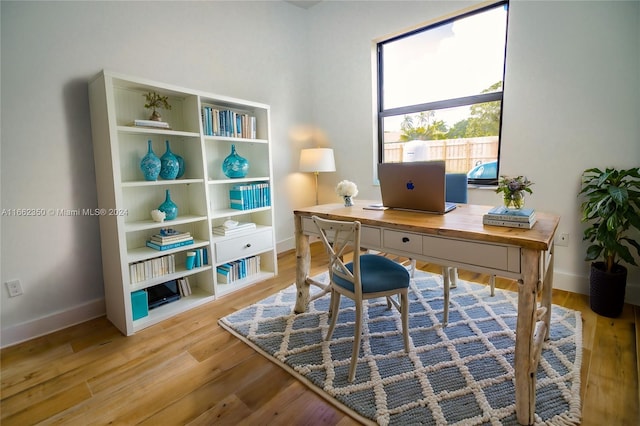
point(418, 186)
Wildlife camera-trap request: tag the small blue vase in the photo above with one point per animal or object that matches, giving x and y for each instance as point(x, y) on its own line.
point(169, 167)
point(235, 166)
point(150, 164)
point(168, 207)
point(181, 166)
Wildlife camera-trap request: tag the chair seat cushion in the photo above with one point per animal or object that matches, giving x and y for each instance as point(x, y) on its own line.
point(377, 274)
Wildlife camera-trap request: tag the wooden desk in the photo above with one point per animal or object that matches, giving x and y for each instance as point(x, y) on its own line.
point(458, 238)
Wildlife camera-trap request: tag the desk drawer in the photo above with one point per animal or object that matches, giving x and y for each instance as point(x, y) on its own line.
point(369, 235)
point(472, 253)
point(243, 246)
point(403, 241)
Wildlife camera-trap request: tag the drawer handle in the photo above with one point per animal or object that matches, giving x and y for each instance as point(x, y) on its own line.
point(405, 239)
point(248, 245)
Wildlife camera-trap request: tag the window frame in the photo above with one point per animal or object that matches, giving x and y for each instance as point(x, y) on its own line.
point(444, 103)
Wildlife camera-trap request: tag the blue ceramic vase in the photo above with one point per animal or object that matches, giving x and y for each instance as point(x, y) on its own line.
point(150, 164)
point(169, 208)
point(181, 166)
point(235, 166)
point(170, 166)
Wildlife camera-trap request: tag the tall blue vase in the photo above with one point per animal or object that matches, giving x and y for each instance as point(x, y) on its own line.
point(169, 208)
point(170, 166)
point(235, 166)
point(150, 164)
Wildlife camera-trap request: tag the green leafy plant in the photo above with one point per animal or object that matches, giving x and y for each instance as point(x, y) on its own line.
point(156, 101)
point(611, 208)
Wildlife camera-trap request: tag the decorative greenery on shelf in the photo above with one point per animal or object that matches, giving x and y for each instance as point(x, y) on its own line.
point(611, 208)
point(512, 190)
point(156, 101)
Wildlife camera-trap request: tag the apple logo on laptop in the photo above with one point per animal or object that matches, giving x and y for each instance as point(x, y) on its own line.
point(410, 185)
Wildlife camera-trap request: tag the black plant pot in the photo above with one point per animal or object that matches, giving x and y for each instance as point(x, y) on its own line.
point(607, 289)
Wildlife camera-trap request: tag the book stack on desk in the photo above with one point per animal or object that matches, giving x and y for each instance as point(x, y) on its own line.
point(502, 216)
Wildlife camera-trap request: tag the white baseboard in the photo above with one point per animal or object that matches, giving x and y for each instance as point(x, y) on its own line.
point(41, 326)
point(580, 284)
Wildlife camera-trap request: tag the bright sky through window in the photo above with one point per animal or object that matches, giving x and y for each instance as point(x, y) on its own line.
point(457, 59)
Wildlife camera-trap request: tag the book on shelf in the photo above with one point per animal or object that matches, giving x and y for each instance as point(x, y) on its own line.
point(509, 223)
point(250, 196)
point(161, 247)
point(152, 268)
point(238, 269)
point(238, 229)
point(516, 215)
point(152, 123)
point(228, 123)
point(184, 286)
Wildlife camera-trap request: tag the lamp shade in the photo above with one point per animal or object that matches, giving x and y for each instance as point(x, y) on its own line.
point(317, 160)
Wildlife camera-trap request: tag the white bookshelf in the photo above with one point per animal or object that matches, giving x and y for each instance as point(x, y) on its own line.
point(202, 194)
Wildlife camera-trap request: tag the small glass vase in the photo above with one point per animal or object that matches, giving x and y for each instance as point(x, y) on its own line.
point(169, 208)
point(235, 166)
point(150, 164)
point(170, 166)
point(514, 200)
point(348, 201)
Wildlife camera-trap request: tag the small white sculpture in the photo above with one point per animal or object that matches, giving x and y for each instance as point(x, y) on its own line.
point(158, 216)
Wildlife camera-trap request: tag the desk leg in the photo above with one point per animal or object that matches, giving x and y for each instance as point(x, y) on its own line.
point(303, 262)
point(525, 365)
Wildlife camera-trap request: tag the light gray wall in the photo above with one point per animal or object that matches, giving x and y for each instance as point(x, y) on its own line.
point(251, 50)
point(572, 101)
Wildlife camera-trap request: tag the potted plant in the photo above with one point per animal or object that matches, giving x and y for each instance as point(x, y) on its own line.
point(611, 209)
point(156, 101)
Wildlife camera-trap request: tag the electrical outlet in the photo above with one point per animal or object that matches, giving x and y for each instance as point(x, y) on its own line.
point(14, 287)
point(563, 239)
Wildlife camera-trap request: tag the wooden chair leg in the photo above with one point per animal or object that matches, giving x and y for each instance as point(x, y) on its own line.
point(356, 342)
point(404, 303)
point(335, 307)
point(447, 285)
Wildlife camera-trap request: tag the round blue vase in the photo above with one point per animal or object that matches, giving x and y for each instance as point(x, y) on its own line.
point(169, 208)
point(150, 164)
point(181, 166)
point(235, 166)
point(169, 166)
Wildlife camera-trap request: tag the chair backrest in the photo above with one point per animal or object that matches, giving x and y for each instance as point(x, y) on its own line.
point(456, 184)
point(339, 238)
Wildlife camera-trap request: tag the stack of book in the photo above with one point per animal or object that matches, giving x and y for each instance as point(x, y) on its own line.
point(502, 216)
point(169, 239)
point(151, 123)
point(234, 229)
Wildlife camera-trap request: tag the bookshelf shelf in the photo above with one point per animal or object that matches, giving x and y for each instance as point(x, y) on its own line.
point(202, 194)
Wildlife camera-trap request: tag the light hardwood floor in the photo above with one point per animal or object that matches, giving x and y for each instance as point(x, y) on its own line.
point(187, 370)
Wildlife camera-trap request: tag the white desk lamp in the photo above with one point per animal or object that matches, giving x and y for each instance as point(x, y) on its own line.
point(317, 160)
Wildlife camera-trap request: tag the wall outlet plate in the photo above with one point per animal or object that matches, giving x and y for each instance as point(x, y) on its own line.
point(14, 287)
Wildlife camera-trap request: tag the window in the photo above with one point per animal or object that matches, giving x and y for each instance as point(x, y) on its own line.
point(440, 92)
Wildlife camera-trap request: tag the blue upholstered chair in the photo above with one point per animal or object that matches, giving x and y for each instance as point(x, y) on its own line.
point(367, 276)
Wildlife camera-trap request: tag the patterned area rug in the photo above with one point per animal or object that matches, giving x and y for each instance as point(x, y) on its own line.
point(460, 374)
